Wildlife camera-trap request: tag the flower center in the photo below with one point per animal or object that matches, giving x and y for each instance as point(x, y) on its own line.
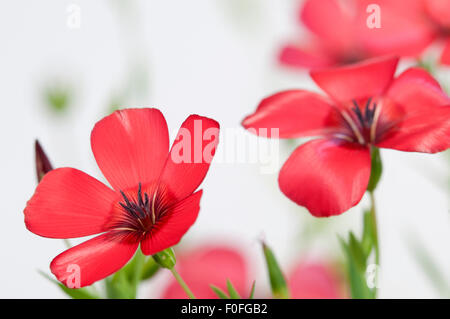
point(362, 122)
point(138, 213)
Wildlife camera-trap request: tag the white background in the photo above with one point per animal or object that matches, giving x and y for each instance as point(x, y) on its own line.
point(214, 58)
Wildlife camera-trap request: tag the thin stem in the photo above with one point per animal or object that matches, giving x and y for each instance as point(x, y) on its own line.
point(182, 283)
point(373, 214)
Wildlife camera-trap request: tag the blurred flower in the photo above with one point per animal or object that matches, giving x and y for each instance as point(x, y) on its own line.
point(365, 107)
point(438, 12)
point(340, 33)
point(315, 280)
point(152, 203)
point(209, 265)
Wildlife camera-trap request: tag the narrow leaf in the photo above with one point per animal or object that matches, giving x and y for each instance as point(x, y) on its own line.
point(252, 291)
point(219, 292)
point(79, 293)
point(276, 277)
point(232, 291)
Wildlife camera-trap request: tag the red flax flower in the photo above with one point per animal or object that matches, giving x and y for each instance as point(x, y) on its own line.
point(366, 106)
point(152, 202)
point(206, 266)
point(438, 13)
point(316, 280)
point(339, 32)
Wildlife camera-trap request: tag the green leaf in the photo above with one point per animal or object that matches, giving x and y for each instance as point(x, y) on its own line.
point(79, 293)
point(356, 276)
point(276, 277)
point(119, 287)
point(252, 291)
point(357, 252)
point(232, 291)
point(376, 169)
point(219, 292)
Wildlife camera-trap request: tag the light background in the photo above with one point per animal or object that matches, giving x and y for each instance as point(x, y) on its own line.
point(214, 58)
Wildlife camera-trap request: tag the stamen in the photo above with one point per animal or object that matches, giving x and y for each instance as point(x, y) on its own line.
point(373, 127)
point(353, 127)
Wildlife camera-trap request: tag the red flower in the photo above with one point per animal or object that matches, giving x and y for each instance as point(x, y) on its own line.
point(315, 280)
point(438, 12)
point(365, 107)
point(209, 265)
point(152, 203)
point(341, 34)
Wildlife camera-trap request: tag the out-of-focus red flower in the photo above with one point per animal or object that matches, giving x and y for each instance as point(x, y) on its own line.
point(209, 265)
point(339, 33)
point(365, 106)
point(438, 12)
point(315, 280)
point(152, 201)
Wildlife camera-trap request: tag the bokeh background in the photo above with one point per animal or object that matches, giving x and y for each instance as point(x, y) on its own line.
point(214, 58)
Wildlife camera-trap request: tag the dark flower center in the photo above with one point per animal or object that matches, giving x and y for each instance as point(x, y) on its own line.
point(139, 213)
point(361, 122)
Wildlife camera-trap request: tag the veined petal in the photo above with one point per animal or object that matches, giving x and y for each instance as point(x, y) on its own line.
point(68, 203)
point(325, 176)
point(131, 146)
point(425, 130)
point(92, 260)
point(416, 88)
point(295, 113)
point(357, 81)
point(173, 225)
point(190, 156)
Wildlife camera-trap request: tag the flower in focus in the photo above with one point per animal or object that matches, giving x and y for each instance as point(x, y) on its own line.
point(340, 33)
point(365, 107)
point(151, 203)
point(209, 265)
point(315, 280)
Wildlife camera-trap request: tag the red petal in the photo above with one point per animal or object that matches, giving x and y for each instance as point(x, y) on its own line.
point(421, 113)
point(209, 265)
point(173, 225)
point(416, 88)
point(69, 203)
point(445, 55)
point(358, 81)
point(296, 57)
point(92, 260)
point(330, 20)
point(403, 30)
point(325, 177)
point(190, 156)
point(314, 281)
point(131, 146)
point(439, 11)
point(295, 113)
point(425, 130)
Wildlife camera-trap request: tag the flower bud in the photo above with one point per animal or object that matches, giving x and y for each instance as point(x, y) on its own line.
point(43, 165)
point(166, 258)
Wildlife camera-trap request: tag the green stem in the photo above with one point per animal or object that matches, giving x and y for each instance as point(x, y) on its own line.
point(182, 283)
point(373, 214)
